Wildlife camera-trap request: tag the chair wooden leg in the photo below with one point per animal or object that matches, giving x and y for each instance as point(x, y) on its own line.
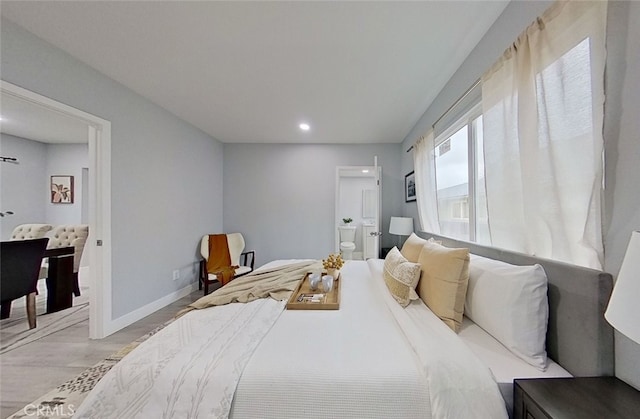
point(31, 309)
point(76, 285)
point(203, 274)
point(5, 310)
point(206, 287)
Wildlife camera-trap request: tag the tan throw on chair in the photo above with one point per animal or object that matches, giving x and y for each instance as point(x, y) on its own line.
point(221, 262)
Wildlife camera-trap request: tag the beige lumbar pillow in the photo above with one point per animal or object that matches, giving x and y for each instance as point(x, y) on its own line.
point(443, 286)
point(401, 277)
point(412, 247)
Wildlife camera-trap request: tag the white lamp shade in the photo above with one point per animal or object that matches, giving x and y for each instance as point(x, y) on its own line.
point(402, 226)
point(623, 311)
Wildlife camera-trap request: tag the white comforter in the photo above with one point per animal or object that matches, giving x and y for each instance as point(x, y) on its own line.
point(370, 359)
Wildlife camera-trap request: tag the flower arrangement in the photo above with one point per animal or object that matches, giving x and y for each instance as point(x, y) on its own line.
point(333, 261)
point(347, 221)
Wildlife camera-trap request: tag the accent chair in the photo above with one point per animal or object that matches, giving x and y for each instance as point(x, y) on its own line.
point(236, 244)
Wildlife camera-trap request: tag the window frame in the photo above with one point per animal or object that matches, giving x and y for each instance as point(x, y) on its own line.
point(467, 118)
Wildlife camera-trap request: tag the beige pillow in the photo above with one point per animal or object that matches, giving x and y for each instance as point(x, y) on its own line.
point(443, 286)
point(412, 247)
point(401, 277)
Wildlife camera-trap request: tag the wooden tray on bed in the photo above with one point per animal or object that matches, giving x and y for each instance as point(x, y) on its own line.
point(330, 300)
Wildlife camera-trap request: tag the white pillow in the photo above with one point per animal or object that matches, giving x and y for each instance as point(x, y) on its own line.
point(510, 303)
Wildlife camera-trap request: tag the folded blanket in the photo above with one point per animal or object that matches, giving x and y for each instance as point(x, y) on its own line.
point(277, 283)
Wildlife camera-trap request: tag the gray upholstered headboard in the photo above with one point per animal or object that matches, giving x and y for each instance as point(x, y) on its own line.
point(578, 336)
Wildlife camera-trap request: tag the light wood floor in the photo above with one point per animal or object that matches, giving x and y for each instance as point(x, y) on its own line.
point(34, 369)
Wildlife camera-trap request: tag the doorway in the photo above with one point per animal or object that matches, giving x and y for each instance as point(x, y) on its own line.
point(98, 246)
point(358, 198)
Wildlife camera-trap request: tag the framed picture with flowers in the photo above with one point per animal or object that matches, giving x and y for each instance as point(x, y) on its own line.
point(61, 189)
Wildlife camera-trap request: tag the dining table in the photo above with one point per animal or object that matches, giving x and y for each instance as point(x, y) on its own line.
point(60, 278)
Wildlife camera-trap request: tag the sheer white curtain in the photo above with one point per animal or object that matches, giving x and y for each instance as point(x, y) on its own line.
point(543, 117)
point(425, 171)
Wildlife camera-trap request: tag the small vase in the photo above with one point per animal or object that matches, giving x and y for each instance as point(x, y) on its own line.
point(333, 272)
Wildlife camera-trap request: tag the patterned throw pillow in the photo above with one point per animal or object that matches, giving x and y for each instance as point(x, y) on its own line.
point(401, 277)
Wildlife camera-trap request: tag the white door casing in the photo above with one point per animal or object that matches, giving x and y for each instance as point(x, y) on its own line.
point(99, 241)
point(374, 173)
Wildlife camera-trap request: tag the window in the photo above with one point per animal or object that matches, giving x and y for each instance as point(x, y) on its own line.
point(457, 163)
point(519, 166)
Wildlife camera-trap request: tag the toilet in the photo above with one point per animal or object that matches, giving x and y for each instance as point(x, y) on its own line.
point(347, 241)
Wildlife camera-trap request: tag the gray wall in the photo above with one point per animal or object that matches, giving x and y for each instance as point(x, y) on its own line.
point(622, 157)
point(622, 146)
point(23, 187)
point(65, 159)
point(166, 175)
point(282, 196)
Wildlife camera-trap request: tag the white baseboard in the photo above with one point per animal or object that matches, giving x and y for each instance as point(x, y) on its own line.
point(142, 312)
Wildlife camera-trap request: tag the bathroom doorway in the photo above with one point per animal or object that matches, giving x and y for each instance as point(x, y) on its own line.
point(358, 198)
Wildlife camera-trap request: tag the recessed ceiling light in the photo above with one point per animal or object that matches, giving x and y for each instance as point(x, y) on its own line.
point(304, 126)
point(365, 171)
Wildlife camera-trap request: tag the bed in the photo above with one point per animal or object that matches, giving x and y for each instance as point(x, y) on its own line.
point(372, 358)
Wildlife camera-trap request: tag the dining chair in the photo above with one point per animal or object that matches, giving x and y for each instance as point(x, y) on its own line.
point(30, 231)
point(19, 267)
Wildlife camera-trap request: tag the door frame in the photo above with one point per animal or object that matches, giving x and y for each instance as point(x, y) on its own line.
point(99, 241)
point(376, 174)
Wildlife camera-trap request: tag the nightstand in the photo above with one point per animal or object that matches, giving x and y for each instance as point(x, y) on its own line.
point(384, 251)
point(581, 397)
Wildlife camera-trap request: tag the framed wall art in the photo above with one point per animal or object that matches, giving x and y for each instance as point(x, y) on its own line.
point(61, 189)
point(410, 187)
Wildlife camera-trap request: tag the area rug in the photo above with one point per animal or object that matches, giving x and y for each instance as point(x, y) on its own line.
point(15, 332)
point(63, 401)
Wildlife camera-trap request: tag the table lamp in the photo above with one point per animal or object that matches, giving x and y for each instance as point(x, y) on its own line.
point(401, 226)
point(623, 310)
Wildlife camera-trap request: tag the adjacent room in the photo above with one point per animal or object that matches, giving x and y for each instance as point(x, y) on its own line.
point(45, 193)
point(401, 209)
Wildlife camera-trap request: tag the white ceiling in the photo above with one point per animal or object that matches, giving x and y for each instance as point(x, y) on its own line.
point(356, 71)
point(35, 122)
